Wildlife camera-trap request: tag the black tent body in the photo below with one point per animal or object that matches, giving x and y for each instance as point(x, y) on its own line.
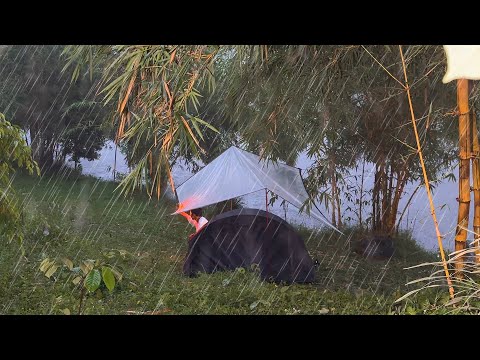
point(242, 237)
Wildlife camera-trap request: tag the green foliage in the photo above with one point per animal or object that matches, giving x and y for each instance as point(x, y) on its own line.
point(36, 95)
point(334, 102)
point(89, 275)
point(84, 136)
point(331, 101)
point(156, 90)
point(14, 153)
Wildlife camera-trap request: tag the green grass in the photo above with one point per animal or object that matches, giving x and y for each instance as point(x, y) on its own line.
point(86, 219)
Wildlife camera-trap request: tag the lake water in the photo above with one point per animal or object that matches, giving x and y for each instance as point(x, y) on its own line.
point(417, 218)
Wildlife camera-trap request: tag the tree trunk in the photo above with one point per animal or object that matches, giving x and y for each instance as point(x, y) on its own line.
point(332, 177)
point(115, 162)
point(476, 186)
point(42, 148)
point(375, 200)
point(339, 215)
point(361, 195)
point(400, 186)
point(464, 173)
point(384, 192)
point(390, 195)
point(47, 154)
point(35, 143)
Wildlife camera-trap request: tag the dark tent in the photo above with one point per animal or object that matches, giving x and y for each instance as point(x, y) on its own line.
point(242, 237)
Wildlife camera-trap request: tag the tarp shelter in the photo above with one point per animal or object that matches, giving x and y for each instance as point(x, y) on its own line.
point(243, 237)
point(237, 172)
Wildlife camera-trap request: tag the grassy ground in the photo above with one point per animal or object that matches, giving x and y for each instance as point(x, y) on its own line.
point(82, 218)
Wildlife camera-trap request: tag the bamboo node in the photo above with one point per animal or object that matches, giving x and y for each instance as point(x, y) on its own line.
point(457, 113)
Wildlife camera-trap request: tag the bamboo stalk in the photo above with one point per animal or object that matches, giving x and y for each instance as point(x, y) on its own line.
point(476, 186)
point(425, 177)
point(464, 174)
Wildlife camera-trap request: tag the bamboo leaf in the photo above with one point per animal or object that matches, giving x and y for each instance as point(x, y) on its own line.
point(203, 122)
point(190, 131)
point(197, 129)
point(413, 292)
point(172, 56)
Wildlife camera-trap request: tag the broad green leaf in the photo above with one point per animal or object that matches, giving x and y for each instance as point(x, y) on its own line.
point(108, 278)
point(66, 311)
point(93, 280)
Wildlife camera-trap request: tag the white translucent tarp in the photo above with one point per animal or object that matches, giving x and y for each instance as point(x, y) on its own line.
point(237, 172)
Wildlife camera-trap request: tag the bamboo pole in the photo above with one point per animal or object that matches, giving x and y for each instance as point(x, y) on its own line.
point(464, 174)
point(425, 177)
point(476, 186)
